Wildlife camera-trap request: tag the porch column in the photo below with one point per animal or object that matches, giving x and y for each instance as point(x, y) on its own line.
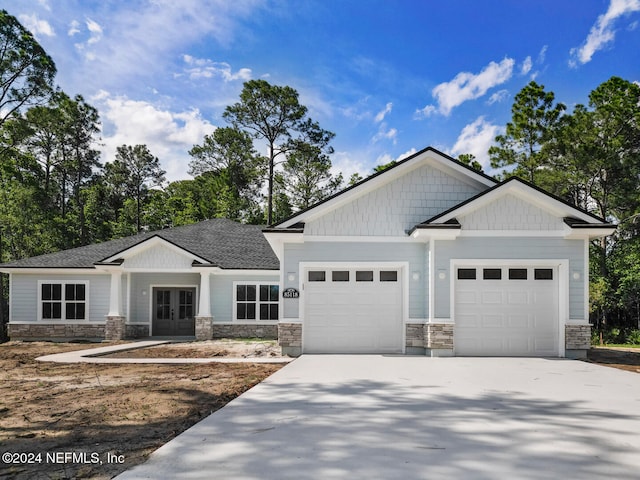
point(204, 319)
point(204, 306)
point(115, 298)
point(115, 326)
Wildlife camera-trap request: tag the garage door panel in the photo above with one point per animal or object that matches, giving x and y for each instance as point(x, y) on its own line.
point(492, 321)
point(467, 297)
point(492, 297)
point(511, 316)
point(518, 298)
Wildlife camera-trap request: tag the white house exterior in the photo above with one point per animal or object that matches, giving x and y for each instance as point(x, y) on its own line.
point(432, 257)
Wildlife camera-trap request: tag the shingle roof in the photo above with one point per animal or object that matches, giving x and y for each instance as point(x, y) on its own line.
point(224, 243)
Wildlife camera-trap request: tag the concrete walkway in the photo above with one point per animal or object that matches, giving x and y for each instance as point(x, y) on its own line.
point(94, 355)
point(377, 417)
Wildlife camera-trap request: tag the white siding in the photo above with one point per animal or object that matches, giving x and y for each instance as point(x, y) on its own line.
point(24, 295)
point(539, 248)
point(395, 207)
point(159, 257)
point(416, 254)
point(510, 213)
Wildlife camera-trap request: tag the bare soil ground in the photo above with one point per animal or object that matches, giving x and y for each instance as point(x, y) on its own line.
point(617, 357)
point(85, 419)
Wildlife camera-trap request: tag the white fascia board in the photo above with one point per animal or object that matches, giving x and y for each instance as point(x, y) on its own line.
point(150, 243)
point(426, 234)
point(427, 157)
point(590, 233)
point(524, 192)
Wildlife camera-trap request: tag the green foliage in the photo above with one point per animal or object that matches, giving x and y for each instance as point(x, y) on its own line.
point(470, 160)
point(273, 114)
point(26, 71)
point(534, 118)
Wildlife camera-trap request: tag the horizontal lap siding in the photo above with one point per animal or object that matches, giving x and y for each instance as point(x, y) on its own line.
point(511, 248)
point(413, 253)
point(24, 295)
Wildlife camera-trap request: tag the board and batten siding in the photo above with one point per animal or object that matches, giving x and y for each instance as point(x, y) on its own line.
point(520, 248)
point(24, 296)
point(396, 207)
point(222, 292)
point(416, 254)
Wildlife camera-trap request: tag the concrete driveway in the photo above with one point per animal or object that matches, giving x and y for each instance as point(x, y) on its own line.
point(387, 417)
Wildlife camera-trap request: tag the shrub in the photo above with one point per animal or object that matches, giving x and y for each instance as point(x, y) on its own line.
point(633, 337)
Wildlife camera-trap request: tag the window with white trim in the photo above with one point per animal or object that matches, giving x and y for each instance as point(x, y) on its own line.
point(256, 301)
point(63, 300)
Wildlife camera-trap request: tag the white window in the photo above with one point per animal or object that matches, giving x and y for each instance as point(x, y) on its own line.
point(256, 301)
point(63, 300)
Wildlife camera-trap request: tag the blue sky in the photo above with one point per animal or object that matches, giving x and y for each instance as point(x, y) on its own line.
point(389, 78)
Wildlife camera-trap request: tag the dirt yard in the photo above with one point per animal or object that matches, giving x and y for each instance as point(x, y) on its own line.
point(622, 358)
point(96, 420)
point(207, 349)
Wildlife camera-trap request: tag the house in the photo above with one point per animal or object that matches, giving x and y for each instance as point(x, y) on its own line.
point(427, 257)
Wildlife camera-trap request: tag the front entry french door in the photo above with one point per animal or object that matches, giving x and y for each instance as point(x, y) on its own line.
point(174, 311)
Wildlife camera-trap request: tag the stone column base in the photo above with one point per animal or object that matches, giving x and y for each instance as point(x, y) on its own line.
point(577, 340)
point(115, 328)
point(290, 338)
point(439, 339)
point(204, 328)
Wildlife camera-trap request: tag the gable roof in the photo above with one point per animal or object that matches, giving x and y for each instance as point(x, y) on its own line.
point(573, 216)
point(374, 181)
point(220, 242)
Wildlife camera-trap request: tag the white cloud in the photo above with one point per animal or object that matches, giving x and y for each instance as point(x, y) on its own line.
point(468, 86)
point(96, 31)
point(385, 133)
point(498, 97)
point(36, 26)
point(383, 113)
point(169, 135)
point(74, 28)
point(542, 55)
point(476, 138)
point(602, 33)
point(526, 66)
point(204, 68)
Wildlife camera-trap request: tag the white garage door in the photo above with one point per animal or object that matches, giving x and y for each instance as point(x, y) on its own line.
point(351, 310)
point(506, 311)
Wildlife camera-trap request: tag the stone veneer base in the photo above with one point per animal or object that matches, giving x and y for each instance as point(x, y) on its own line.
point(268, 332)
point(56, 332)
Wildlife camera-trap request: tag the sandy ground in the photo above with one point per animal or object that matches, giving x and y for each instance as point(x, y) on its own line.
point(622, 358)
point(96, 420)
point(206, 349)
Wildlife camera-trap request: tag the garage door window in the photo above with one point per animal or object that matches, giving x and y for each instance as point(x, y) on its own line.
point(317, 276)
point(466, 274)
point(364, 276)
point(491, 273)
point(389, 276)
point(543, 274)
point(340, 276)
point(517, 274)
point(256, 301)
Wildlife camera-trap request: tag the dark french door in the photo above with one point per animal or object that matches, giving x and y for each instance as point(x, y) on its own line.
point(174, 311)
